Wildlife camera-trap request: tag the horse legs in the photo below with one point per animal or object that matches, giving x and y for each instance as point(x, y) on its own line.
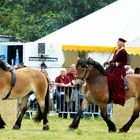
point(17, 124)
point(134, 116)
point(41, 114)
point(110, 124)
point(43, 110)
point(45, 120)
point(77, 117)
point(2, 123)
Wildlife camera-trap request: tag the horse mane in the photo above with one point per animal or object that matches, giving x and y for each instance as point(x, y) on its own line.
point(83, 62)
point(4, 66)
point(90, 61)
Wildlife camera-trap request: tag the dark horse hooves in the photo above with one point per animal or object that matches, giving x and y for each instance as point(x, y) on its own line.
point(71, 129)
point(2, 127)
point(16, 127)
point(122, 130)
point(45, 127)
point(112, 131)
point(112, 128)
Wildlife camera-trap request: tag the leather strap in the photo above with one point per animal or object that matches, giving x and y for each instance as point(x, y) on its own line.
point(13, 82)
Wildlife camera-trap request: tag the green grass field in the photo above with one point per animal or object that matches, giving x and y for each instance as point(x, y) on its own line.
point(89, 129)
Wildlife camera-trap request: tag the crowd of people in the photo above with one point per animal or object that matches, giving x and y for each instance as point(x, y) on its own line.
point(66, 93)
point(130, 70)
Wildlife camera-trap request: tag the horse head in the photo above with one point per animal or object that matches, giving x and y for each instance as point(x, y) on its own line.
point(85, 66)
point(81, 68)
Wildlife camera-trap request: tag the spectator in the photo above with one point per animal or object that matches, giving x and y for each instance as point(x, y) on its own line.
point(72, 74)
point(129, 70)
point(73, 91)
point(109, 109)
point(43, 70)
point(62, 82)
point(18, 107)
point(51, 85)
point(137, 70)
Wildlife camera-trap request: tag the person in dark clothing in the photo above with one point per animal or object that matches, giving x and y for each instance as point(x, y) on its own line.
point(137, 70)
point(117, 73)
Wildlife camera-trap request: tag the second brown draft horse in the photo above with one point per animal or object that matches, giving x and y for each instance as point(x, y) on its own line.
point(96, 91)
point(21, 83)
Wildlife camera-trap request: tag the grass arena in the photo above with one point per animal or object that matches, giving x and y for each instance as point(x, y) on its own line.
point(90, 128)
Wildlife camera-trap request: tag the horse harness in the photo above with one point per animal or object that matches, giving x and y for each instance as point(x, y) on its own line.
point(13, 81)
point(85, 75)
point(83, 78)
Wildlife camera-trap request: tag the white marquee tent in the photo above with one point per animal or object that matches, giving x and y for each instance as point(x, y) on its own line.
point(100, 30)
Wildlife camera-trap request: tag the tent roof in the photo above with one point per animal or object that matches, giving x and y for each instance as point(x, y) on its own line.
point(100, 30)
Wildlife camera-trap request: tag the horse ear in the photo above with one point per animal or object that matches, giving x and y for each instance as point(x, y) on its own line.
point(90, 61)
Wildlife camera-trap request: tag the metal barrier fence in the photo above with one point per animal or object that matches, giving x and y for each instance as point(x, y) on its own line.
point(66, 101)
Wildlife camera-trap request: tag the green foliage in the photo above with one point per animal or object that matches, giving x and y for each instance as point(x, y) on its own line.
point(33, 19)
point(82, 54)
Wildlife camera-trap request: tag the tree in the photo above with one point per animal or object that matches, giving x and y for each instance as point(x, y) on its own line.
point(33, 19)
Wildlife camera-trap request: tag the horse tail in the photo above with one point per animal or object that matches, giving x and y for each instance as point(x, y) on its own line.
point(39, 116)
point(47, 101)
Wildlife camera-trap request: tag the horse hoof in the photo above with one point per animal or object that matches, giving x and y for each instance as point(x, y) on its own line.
point(112, 131)
point(2, 127)
point(71, 129)
point(122, 130)
point(45, 127)
point(16, 127)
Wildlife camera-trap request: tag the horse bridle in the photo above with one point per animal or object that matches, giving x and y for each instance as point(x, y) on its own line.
point(83, 78)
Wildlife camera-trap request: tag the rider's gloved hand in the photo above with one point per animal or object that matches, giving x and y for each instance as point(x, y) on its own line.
point(106, 63)
point(113, 64)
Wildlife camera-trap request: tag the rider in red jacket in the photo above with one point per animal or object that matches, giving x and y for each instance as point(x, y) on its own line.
point(117, 73)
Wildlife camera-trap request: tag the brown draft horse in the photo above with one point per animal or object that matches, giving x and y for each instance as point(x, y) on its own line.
point(96, 91)
point(21, 83)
